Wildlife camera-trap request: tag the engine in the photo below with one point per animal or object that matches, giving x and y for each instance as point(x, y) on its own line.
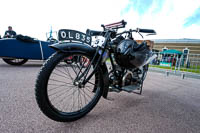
point(131, 59)
point(126, 77)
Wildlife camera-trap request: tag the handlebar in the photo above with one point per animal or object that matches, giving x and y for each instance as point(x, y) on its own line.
point(112, 28)
point(110, 31)
point(102, 33)
point(146, 31)
point(151, 31)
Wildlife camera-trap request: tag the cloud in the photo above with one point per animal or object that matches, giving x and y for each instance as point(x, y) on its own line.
point(168, 18)
point(35, 17)
point(194, 19)
point(138, 5)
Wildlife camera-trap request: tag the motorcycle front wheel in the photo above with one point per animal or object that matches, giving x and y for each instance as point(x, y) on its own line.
point(60, 95)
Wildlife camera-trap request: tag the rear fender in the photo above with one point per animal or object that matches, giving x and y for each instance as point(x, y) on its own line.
point(83, 48)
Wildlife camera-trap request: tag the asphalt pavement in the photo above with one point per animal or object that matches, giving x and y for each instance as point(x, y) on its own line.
point(169, 104)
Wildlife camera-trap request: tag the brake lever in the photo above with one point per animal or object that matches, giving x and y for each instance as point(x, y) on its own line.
point(141, 35)
point(138, 31)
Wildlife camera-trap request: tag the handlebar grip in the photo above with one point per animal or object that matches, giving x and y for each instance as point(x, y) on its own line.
point(94, 33)
point(116, 25)
point(146, 31)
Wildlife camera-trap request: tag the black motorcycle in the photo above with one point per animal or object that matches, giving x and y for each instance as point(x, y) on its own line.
point(68, 91)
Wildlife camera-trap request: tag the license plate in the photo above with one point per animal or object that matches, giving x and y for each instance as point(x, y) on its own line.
point(74, 36)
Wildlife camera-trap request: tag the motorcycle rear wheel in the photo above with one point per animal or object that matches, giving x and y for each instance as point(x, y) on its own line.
point(57, 95)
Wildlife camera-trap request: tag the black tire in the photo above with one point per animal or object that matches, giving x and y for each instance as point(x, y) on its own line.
point(15, 62)
point(55, 69)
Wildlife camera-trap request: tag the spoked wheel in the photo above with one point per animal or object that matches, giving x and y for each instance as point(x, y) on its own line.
point(15, 62)
point(60, 95)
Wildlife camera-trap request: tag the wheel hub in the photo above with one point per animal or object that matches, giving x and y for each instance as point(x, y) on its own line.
point(79, 84)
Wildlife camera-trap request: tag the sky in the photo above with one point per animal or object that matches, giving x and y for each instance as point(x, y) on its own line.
point(171, 19)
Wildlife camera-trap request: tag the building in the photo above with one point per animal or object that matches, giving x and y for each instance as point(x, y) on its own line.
point(191, 46)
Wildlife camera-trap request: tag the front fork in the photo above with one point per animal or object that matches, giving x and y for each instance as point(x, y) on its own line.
point(98, 62)
point(84, 74)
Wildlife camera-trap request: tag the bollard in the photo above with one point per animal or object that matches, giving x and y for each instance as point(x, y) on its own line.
point(167, 73)
point(182, 75)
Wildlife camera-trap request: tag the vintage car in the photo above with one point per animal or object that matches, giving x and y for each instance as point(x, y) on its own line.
point(17, 51)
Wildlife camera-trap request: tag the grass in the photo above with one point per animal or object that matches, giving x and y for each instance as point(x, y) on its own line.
point(193, 69)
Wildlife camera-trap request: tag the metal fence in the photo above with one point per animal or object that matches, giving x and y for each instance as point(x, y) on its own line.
point(177, 62)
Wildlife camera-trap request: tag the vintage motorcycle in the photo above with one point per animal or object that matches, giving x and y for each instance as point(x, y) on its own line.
point(68, 91)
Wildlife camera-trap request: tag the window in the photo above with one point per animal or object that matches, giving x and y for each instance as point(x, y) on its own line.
point(186, 51)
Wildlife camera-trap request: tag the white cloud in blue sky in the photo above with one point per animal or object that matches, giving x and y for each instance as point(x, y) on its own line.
point(170, 18)
point(193, 19)
point(141, 8)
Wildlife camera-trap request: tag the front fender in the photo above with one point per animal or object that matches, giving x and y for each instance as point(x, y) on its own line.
point(73, 47)
point(83, 48)
point(105, 80)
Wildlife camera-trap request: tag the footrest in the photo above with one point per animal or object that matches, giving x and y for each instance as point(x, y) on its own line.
point(131, 88)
